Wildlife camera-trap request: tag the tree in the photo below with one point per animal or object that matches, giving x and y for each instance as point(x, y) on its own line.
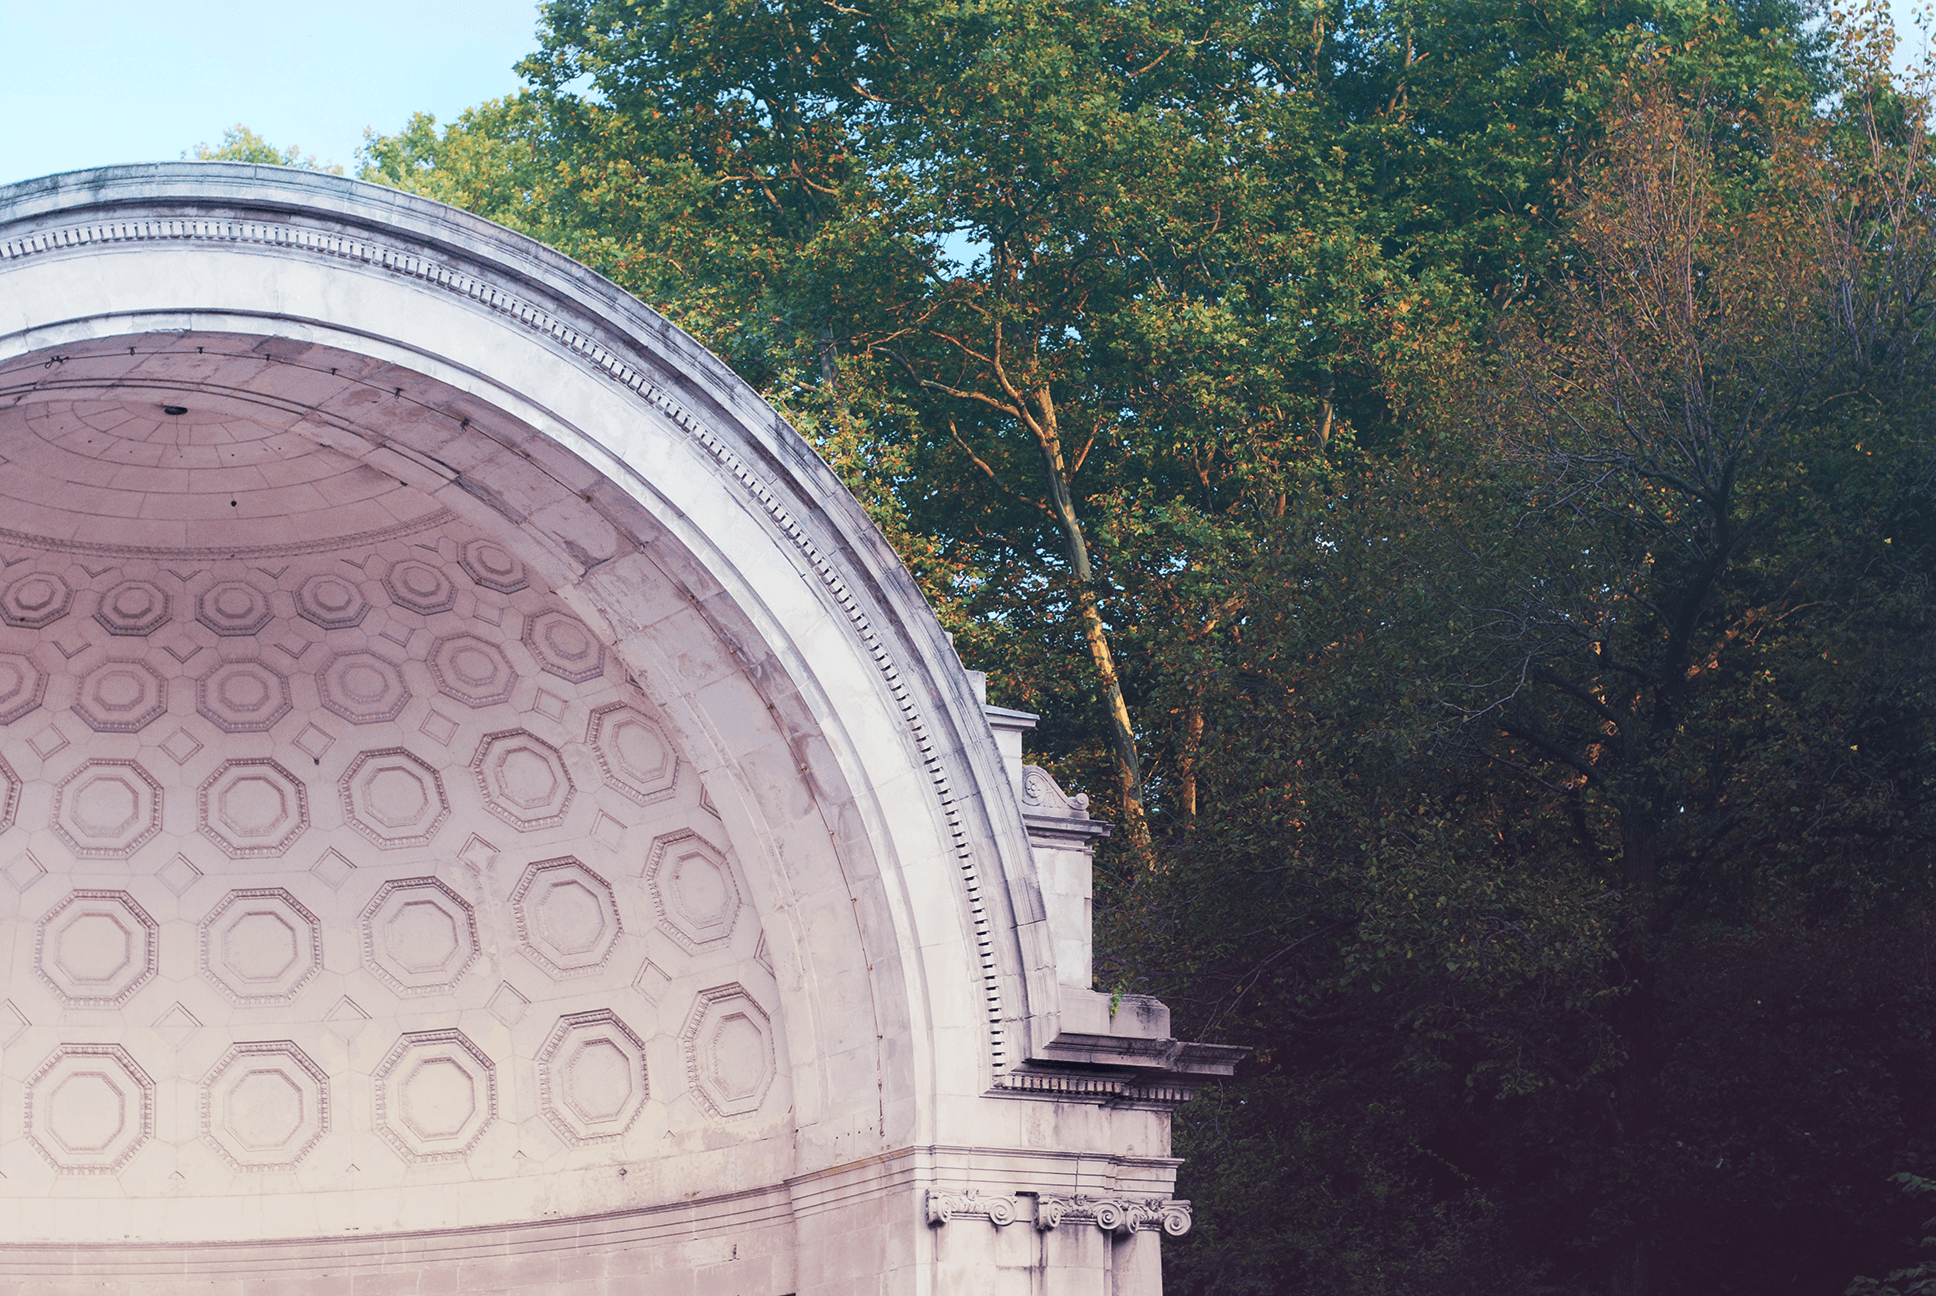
point(1682, 391)
point(1482, 426)
point(240, 144)
point(1430, 892)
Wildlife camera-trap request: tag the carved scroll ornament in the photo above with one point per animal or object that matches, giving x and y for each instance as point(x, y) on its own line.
point(1120, 1215)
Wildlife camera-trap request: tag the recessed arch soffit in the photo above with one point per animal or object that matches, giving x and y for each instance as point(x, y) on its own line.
point(287, 438)
point(362, 839)
point(598, 330)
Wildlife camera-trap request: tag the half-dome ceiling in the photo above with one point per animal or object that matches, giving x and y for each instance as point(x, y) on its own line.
point(347, 857)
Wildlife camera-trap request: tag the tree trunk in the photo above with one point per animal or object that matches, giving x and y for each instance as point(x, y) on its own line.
point(1186, 766)
point(1129, 770)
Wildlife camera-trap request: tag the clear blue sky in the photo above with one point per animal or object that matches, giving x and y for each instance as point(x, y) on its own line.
point(93, 82)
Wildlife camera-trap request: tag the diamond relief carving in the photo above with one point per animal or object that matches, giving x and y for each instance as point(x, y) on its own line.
point(233, 608)
point(419, 936)
point(728, 1042)
point(265, 1105)
point(107, 809)
point(253, 809)
point(436, 1094)
point(48, 742)
point(242, 697)
point(35, 600)
point(90, 1108)
point(566, 917)
point(96, 948)
point(420, 587)
point(564, 646)
point(261, 947)
point(523, 778)
point(393, 798)
point(121, 697)
point(472, 670)
point(180, 746)
point(362, 687)
point(135, 607)
point(693, 888)
point(331, 602)
point(22, 684)
point(178, 874)
point(491, 565)
point(633, 753)
point(591, 1077)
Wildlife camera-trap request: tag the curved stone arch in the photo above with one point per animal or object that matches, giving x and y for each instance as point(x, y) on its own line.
point(681, 395)
point(906, 913)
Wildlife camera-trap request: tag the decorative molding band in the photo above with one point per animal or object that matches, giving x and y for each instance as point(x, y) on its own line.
point(296, 238)
point(1119, 1215)
point(1110, 1091)
point(357, 540)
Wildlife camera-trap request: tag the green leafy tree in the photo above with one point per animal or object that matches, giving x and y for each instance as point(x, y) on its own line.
point(1456, 474)
point(240, 144)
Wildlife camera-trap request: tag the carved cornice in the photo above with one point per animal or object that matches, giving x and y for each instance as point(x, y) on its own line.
point(1053, 814)
point(1119, 1215)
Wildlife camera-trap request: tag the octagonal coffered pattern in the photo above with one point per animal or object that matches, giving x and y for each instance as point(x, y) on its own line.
point(420, 587)
point(491, 565)
point(265, 1106)
point(419, 936)
point(436, 1095)
point(362, 687)
point(96, 948)
point(22, 685)
point(633, 753)
point(331, 601)
point(566, 917)
point(693, 888)
point(246, 696)
point(261, 946)
point(121, 697)
point(728, 1041)
point(135, 607)
point(233, 607)
point(394, 798)
point(564, 646)
point(253, 809)
point(523, 779)
point(592, 1077)
point(90, 1108)
point(35, 600)
point(472, 669)
point(107, 809)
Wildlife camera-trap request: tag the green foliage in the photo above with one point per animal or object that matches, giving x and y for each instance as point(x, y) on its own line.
point(1486, 450)
point(240, 144)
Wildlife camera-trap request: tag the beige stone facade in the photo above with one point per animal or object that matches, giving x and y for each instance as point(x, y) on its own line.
point(482, 810)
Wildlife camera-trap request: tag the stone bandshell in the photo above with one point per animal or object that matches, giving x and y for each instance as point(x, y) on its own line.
point(508, 416)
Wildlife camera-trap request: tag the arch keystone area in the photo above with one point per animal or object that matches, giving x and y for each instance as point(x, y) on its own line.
point(548, 797)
